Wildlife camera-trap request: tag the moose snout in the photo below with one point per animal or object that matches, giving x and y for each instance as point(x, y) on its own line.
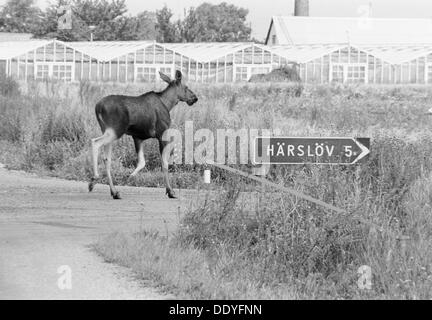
point(193, 100)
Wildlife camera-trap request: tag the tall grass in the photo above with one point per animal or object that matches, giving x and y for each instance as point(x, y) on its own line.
point(282, 238)
point(60, 117)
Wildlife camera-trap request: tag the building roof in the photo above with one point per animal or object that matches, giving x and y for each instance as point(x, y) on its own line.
point(330, 30)
point(10, 36)
point(398, 54)
point(12, 49)
point(207, 51)
point(108, 50)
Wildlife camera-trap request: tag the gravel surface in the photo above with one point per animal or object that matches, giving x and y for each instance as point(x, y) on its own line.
point(48, 223)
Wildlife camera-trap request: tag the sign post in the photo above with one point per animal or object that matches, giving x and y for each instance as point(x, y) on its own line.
point(286, 150)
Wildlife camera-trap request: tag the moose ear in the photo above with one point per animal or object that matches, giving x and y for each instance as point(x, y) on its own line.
point(164, 77)
point(178, 76)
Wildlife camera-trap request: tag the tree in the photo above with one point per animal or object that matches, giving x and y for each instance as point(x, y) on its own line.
point(146, 26)
point(188, 27)
point(216, 23)
point(108, 19)
point(141, 27)
point(100, 13)
point(166, 31)
point(19, 16)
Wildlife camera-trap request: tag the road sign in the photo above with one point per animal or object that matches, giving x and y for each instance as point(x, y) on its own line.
point(284, 150)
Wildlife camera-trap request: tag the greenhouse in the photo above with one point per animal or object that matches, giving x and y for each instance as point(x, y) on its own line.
point(137, 61)
point(404, 64)
point(74, 61)
point(140, 61)
point(360, 64)
point(41, 59)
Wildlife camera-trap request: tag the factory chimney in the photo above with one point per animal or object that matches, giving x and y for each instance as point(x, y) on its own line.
point(301, 8)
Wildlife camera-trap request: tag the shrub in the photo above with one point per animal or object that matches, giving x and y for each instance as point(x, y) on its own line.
point(8, 86)
point(283, 74)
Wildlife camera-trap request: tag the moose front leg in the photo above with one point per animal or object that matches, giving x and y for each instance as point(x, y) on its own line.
point(165, 159)
point(107, 159)
point(139, 147)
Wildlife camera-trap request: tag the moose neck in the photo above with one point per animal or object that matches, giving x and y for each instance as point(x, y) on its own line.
point(169, 98)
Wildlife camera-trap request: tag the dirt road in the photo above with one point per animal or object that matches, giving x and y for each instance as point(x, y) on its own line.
point(47, 223)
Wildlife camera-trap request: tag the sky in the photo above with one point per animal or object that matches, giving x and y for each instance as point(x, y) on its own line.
point(260, 11)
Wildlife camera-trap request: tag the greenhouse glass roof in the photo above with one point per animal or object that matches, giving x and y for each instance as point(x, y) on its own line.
point(207, 51)
point(109, 50)
point(12, 49)
point(304, 53)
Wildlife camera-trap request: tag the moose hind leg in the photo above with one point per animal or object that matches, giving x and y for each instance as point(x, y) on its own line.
point(108, 137)
point(165, 158)
point(107, 159)
point(96, 144)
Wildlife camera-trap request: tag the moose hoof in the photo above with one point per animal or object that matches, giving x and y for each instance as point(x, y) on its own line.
point(170, 193)
point(116, 195)
point(91, 184)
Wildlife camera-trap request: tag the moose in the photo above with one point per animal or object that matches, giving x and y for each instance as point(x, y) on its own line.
point(142, 117)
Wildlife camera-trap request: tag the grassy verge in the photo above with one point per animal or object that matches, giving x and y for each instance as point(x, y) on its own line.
point(277, 247)
point(187, 272)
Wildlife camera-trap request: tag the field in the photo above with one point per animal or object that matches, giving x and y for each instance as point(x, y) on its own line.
point(283, 247)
